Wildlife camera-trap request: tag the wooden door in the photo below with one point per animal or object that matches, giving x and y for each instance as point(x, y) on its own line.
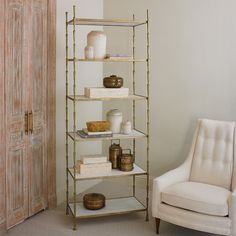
point(38, 94)
point(27, 83)
point(16, 104)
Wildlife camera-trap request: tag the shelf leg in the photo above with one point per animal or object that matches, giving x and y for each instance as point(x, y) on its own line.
point(147, 215)
point(74, 117)
point(148, 114)
point(67, 177)
point(74, 223)
point(134, 143)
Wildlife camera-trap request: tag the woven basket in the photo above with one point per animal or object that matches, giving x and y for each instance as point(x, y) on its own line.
point(98, 126)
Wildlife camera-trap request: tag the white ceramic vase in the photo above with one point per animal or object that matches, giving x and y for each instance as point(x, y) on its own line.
point(115, 118)
point(97, 40)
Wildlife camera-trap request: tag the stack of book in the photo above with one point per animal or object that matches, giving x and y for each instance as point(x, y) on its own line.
point(84, 133)
point(100, 92)
point(93, 165)
point(119, 56)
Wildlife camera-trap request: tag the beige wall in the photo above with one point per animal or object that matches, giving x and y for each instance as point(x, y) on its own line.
point(193, 70)
point(87, 75)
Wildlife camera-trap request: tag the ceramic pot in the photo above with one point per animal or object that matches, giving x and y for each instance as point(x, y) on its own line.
point(113, 82)
point(97, 40)
point(115, 118)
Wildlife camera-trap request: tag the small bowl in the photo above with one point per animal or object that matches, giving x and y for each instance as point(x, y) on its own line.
point(113, 82)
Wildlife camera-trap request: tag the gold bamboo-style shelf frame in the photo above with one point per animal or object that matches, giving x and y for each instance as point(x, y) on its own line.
point(118, 205)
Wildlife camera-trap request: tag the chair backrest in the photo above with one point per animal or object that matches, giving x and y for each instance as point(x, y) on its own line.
point(213, 156)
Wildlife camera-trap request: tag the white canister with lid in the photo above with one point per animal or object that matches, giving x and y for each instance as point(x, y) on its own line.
point(98, 40)
point(115, 118)
point(126, 127)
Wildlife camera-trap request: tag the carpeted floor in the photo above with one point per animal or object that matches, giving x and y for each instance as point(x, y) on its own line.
point(56, 223)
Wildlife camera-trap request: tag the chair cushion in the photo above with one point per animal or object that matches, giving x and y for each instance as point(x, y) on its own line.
point(198, 197)
point(213, 153)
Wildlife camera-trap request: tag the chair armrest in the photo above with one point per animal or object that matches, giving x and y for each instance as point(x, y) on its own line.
point(232, 212)
point(177, 175)
point(180, 174)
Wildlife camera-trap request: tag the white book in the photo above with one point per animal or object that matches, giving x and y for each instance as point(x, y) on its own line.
point(118, 56)
point(97, 133)
point(93, 159)
point(93, 169)
point(101, 92)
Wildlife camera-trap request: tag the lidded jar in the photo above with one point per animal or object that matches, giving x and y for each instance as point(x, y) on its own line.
point(98, 40)
point(115, 118)
point(115, 151)
point(113, 81)
point(126, 127)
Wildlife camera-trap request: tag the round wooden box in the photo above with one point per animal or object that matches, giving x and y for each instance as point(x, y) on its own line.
point(113, 82)
point(94, 201)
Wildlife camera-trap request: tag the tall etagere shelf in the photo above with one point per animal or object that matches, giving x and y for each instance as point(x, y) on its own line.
point(117, 205)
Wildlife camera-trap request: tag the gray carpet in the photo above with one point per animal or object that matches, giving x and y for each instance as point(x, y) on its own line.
point(56, 223)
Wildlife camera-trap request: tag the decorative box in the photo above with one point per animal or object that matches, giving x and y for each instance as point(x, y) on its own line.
point(94, 201)
point(93, 169)
point(106, 92)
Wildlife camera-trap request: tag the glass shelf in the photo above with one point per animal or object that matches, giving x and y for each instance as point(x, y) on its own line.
point(113, 207)
point(107, 60)
point(82, 98)
point(135, 134)
point(106, 22)
point(114, 173)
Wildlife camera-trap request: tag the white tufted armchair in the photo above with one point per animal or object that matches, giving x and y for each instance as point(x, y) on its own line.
point(201, 193)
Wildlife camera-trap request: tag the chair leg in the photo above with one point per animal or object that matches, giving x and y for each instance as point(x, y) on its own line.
point(157, 225)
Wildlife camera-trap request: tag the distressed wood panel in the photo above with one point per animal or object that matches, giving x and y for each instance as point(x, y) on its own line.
point(38, 144)
point(37, 170)
point(16, 67)
point(15, 33)
point(16, 186)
